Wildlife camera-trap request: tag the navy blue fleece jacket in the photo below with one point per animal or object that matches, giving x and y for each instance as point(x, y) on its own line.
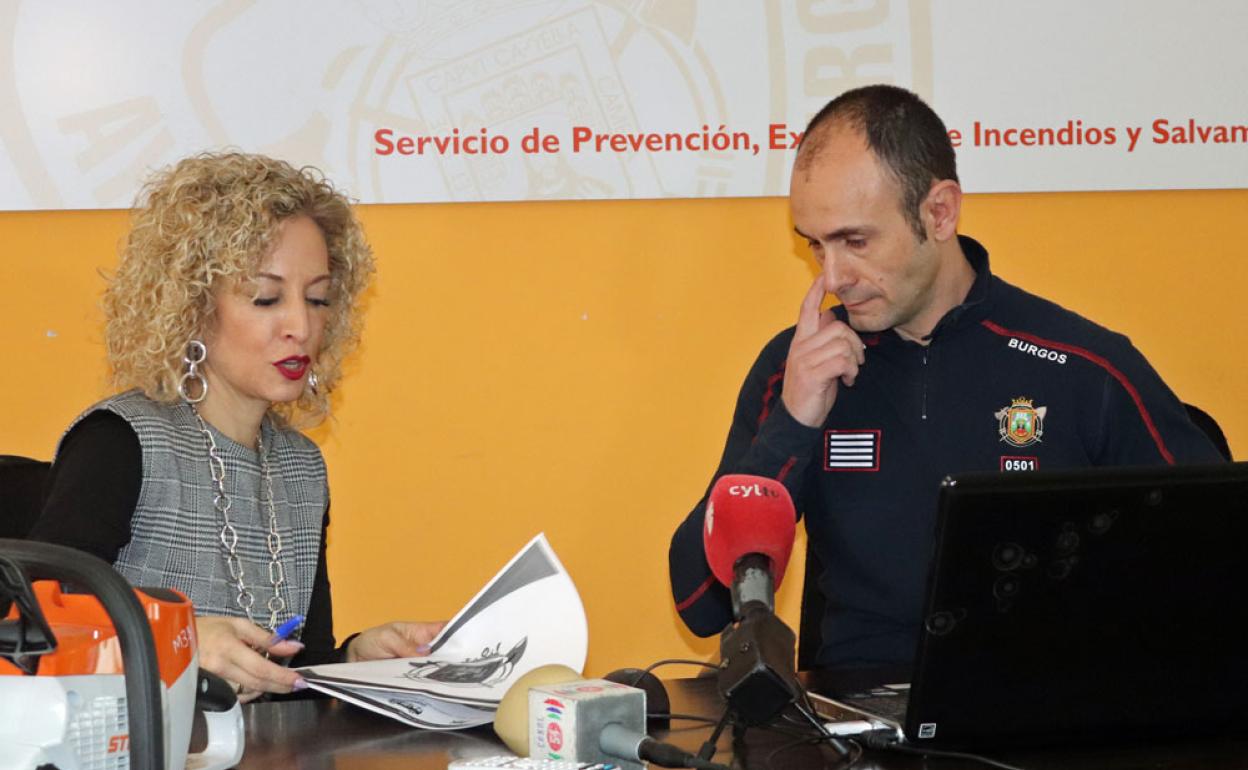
point(1008, 381)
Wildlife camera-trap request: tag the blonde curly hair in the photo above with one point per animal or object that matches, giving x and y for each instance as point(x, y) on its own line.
point(211, 217)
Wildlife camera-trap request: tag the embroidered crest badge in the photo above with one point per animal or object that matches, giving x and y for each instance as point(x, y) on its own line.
point(1021, 424)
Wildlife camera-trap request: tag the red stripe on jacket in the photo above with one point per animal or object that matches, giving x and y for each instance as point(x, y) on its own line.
point(769, 394)
point(697, 594)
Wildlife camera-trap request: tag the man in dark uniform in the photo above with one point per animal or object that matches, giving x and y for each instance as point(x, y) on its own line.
point(930, 365)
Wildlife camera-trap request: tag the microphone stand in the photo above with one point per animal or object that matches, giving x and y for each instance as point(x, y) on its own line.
point(756, 673)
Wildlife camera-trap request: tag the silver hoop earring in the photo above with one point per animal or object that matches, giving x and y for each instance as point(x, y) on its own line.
point(196, 352)
point(314, 382)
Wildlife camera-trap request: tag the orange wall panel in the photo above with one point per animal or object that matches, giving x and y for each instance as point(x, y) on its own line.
point(571, 367)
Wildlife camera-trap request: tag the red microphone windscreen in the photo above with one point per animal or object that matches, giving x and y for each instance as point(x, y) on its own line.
point(748, 514)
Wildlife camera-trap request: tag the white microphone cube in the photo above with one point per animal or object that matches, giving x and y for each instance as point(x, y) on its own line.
point(566, 720)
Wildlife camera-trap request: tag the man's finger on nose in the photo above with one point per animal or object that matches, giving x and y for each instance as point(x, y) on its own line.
point(809, 318)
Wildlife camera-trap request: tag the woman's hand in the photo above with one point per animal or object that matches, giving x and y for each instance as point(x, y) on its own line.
point(393, 640)
point(234, 649)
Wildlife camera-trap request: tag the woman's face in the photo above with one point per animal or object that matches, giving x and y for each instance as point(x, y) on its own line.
point(267, 332)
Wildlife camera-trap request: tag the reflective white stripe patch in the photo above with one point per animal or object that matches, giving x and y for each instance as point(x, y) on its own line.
point(851, 450)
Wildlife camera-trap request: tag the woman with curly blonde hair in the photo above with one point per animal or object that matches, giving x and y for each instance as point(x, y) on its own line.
point(228, 319)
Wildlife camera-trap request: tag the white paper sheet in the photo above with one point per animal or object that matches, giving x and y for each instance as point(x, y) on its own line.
point(528, 615)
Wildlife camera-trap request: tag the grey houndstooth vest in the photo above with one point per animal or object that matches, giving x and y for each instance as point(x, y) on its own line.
point(175, 531)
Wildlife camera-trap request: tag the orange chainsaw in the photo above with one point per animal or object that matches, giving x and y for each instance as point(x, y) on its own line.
point(95, 674)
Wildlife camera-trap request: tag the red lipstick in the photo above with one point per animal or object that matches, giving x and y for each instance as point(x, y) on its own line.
point(293, 368)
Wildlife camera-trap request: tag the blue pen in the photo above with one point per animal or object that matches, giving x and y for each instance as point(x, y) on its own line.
point(285, 630)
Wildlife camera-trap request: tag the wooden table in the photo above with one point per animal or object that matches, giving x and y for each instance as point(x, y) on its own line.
point(323, 733)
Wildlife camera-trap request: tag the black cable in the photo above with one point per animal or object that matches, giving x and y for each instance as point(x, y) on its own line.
point(708, 746)
point(703, 755)
point(843, 763)
point(700, 761)
point(787, 717)
point(803, 732)
point(685, 717)
point(848, 758)
point(802, 727)
point(673, 661)
point(857, 755)
point(689, 760)
point(667, 755)
point(794, 726)
point(771, 756)
point(836, 743)
point(849, 755)
point(883, 744)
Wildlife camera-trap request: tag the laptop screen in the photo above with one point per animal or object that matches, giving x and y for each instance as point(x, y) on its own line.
point(1072, 603)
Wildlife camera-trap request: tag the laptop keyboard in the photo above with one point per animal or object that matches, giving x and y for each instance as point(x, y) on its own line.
point(882, 701)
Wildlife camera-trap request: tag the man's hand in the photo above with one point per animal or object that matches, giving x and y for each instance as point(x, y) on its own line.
point(233, 649)
point(393, 640)
point(823, 351)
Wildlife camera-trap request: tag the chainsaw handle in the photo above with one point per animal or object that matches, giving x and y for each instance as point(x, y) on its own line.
point(45, 561)
point(225, 740)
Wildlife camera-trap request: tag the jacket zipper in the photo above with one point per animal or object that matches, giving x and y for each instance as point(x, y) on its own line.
point(923, 415)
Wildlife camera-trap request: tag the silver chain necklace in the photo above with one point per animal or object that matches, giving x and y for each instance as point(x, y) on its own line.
point(245, 599)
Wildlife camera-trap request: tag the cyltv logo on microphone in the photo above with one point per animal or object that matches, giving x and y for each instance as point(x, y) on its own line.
point(738, 490)
point(752, 490)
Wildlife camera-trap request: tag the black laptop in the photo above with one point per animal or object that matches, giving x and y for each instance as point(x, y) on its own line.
point(1085, 604)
